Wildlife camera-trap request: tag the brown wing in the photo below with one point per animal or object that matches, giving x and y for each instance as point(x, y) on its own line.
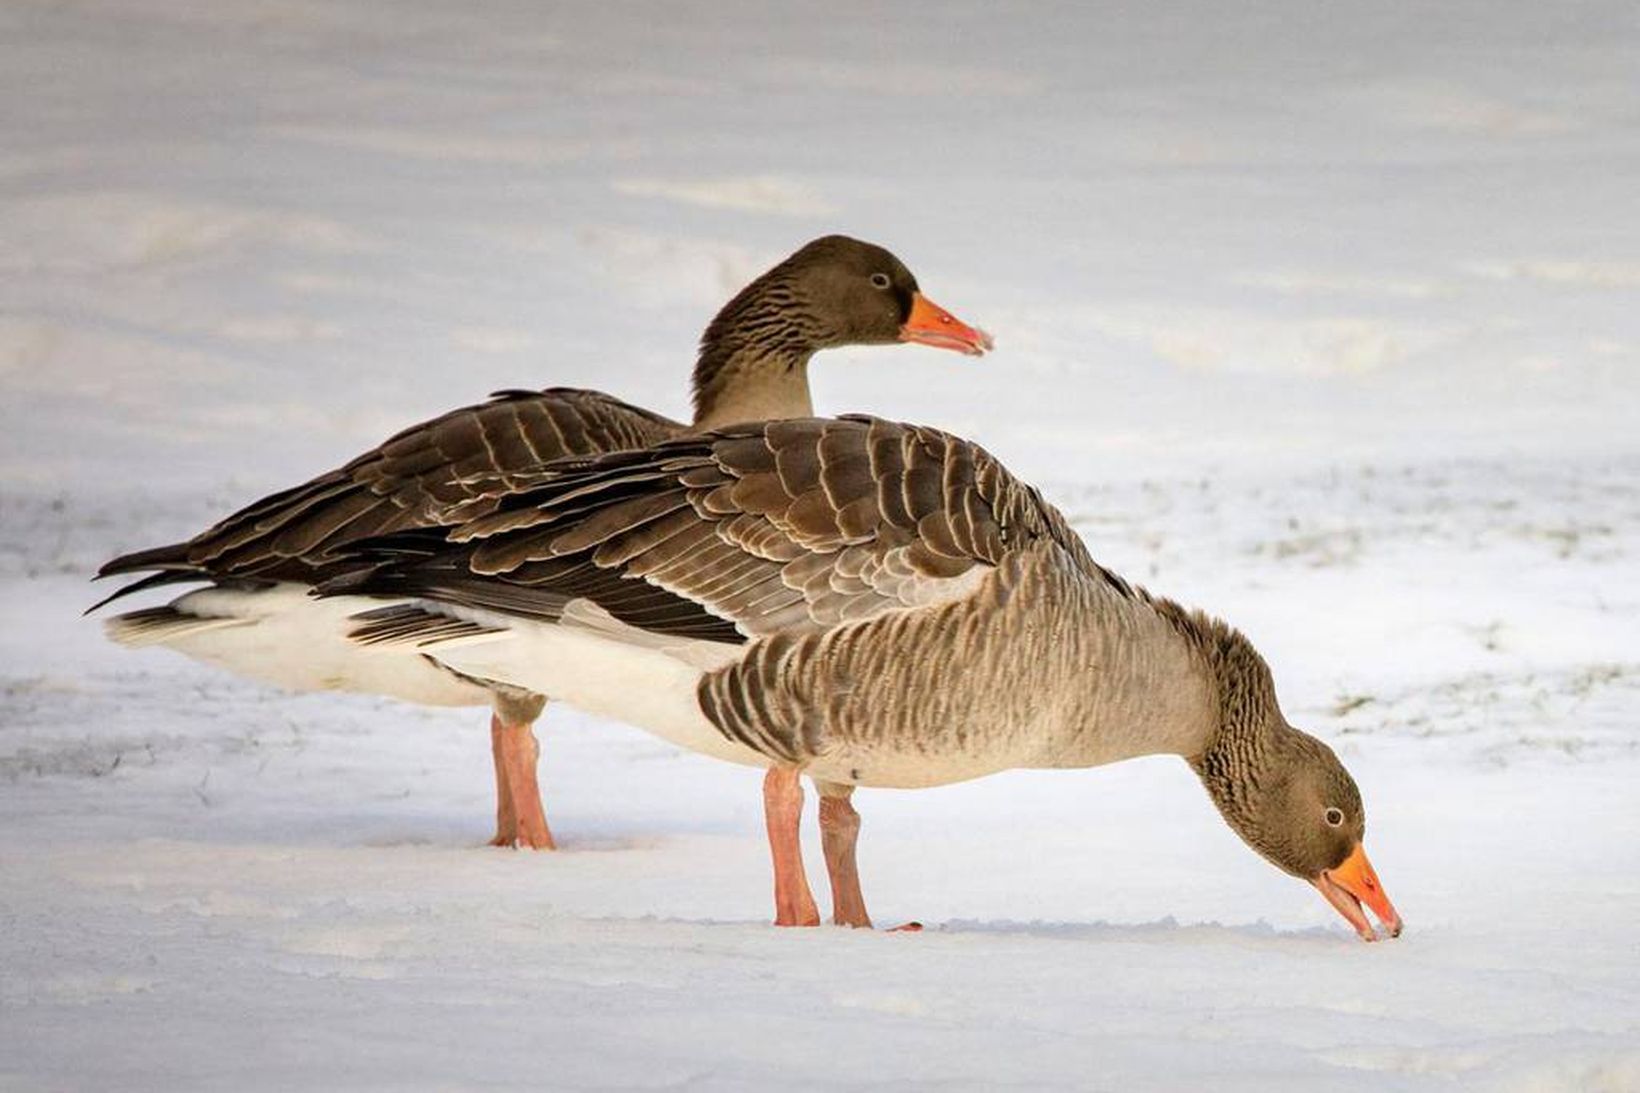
point(790, 526)
point(453, 467)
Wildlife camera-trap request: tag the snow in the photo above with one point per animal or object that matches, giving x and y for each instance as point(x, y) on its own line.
point(1321, 316)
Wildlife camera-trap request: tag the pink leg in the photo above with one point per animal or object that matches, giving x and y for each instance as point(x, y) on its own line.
point(783, 812)
point(506, 823)
point(518, 796)
point(839, 830)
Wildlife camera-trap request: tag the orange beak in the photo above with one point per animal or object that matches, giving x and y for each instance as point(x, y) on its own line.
point(1349, 886)
point(931, 324)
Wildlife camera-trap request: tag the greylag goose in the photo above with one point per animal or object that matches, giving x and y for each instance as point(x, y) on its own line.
point(255, 618)
point(869, 604)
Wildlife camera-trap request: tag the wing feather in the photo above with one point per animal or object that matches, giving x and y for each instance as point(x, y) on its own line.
point(764, 529)
point(457, 467)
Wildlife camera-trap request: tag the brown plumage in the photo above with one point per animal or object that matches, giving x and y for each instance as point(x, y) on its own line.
point(753, 362)
point(451, 467)
point(791, 526)
point(892, 607)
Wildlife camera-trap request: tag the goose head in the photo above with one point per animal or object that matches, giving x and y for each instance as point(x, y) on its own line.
point(830, 292)
point(1289, 797)
point(850, 292)
point(1305, 816)
point(834, 291)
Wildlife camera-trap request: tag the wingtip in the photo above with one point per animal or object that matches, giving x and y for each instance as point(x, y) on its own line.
point(172, 556)
point(153, 580)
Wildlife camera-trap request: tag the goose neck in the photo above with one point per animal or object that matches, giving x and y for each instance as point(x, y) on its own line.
point(1250, 732)
point(742, 381)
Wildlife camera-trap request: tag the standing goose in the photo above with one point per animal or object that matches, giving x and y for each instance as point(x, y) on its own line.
point(255, 617)
point(869, 604)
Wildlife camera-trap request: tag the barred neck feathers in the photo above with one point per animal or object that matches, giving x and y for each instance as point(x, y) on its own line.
point(754, 357)
point(1250, 731)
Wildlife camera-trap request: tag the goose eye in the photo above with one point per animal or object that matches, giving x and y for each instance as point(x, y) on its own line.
point(1334, 816)
point(879, 280)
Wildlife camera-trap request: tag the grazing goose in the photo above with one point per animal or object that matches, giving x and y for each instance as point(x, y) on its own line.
point(870, 604)
point(255, 617)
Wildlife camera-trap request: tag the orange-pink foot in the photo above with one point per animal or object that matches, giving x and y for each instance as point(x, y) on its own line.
point(783, 812)
point(839, 831)
point(519, 818)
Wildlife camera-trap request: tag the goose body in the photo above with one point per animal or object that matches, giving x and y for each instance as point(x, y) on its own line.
point(254, 616)
point(798, 650)
point(985, 697)
point(865, 603)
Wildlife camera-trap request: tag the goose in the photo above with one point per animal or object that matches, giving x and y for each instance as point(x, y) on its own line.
point(866, 604)
point(254, 616)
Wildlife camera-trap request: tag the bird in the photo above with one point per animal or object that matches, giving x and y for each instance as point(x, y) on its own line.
point(253, 616)
point(864, 603)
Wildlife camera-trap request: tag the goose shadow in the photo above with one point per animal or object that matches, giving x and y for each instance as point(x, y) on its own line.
point(1162, 929)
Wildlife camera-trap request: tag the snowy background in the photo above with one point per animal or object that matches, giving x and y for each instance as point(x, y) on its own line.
point(1325, 316)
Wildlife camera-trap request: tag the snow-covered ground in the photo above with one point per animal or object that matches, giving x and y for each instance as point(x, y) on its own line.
point(1322, 316)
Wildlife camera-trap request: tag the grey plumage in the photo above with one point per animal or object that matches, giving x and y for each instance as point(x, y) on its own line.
point(910, 612)
point(817, 540)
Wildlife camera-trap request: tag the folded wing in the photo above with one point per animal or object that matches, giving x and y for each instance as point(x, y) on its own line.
point(772, 528)
point(450, 468)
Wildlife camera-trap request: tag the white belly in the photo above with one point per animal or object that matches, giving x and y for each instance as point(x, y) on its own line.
point(650, 686)
point(283, 636)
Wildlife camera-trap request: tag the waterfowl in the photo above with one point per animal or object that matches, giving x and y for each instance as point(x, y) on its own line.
point(868, 604)
point(254, 616)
